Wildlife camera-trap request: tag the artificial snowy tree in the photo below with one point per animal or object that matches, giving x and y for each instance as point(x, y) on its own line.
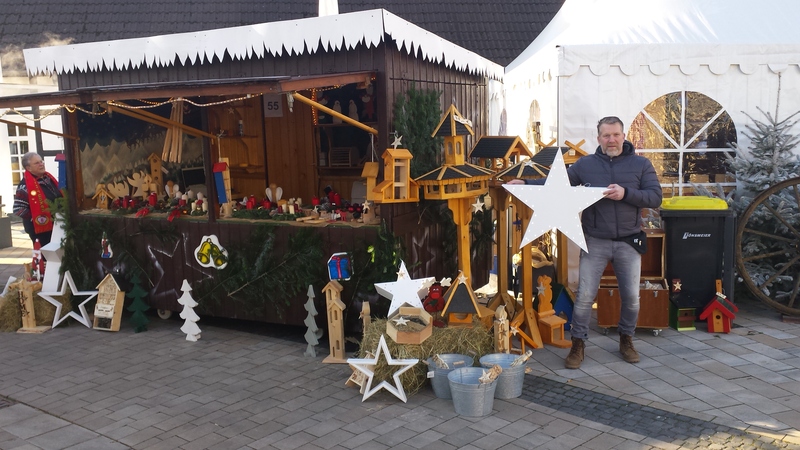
point(770, 226)
point(769, 160)
point(190, 317)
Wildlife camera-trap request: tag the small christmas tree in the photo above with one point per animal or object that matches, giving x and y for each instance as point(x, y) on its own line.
point(138, 307)
point(313, 333)
point(769, 161)
point(190, 317)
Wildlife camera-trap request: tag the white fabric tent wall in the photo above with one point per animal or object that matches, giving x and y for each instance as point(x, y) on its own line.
point(613, 57)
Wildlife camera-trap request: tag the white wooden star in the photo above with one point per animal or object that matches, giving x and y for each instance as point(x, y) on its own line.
point(68, 282)
point(462, 279)
point(477, 206)
point(396, 143)
point(556, 204)
point(53, 252)
point(404, 290)
point(400, 320)
point(367, 365)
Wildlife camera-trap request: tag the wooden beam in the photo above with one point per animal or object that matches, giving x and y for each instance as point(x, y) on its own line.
point(344, 118)
point(156, 119)
point(38, 129)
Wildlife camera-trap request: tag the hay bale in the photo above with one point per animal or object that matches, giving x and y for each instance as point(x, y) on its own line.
point(11, 317)
point(475, 341)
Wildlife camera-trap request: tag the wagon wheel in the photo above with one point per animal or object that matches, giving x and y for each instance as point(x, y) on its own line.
point(768, 247)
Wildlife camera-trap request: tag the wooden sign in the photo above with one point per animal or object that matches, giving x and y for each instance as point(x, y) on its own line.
point(26, 291)
point(108, 309)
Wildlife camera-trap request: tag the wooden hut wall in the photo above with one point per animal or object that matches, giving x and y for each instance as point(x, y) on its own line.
point(169, 262)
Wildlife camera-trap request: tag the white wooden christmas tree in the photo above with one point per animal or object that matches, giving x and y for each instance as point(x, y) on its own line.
point(190, 317)
point(313, 333)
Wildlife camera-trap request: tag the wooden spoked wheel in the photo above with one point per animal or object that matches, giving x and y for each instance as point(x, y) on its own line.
point(768, 247)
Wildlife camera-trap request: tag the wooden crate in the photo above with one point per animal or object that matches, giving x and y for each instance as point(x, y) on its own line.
point(653, 262)
point(653, 309)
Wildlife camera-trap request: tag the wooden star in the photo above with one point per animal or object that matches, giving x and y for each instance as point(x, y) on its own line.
point(367, 366)
point(400, 320)
point(68, 282)
point(404, 290)
point(477, 206)
point(396, 143)
point(557, 204)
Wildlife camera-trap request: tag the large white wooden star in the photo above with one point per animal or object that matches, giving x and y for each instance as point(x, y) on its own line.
point(367, 366)
point(404, 290)
point(53, 252)
point(57, 319)
point(556, 204)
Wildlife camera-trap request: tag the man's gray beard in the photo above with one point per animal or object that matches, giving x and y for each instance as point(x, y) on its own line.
point(614, 153)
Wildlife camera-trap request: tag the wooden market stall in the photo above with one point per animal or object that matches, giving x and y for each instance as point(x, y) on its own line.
point(299, 112)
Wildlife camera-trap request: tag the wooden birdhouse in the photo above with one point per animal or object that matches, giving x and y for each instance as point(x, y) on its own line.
point(156, 178)
point(457, 178)
point(571, 153)
point(370, 174)
point(110, 302)
point(334, 308)
point(102, 196)
point(719, 314)
point(499, 152)
point(397, 185)
point(461, 306)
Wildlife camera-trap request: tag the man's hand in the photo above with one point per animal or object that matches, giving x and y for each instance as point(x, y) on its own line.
point(516, 181)
point(614, 192)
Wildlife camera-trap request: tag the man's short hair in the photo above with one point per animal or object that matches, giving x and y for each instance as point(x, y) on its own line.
point(26, 159)
point(610, 120)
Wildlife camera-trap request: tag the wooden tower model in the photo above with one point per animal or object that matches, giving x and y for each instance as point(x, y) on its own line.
point(334, 309)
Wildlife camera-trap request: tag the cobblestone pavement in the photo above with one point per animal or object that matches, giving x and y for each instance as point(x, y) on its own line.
point(75, 388)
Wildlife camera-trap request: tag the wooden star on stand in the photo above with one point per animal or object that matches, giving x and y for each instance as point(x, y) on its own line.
point(68, 282)
point(477, 206)
point(556, 204)
point(404, 290)
point(367, 366)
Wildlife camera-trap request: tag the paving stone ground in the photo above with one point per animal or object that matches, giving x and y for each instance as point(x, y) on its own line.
point(249, 386)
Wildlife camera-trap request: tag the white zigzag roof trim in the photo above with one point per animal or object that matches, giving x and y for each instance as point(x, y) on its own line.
point(293, 37)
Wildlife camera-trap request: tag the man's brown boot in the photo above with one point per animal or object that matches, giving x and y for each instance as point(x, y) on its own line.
point(626, 348)
point(575, 357)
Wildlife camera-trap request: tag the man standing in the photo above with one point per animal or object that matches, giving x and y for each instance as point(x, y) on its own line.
point(30, 201)
point(612, 228)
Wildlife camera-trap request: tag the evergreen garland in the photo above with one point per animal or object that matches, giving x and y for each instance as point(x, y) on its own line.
point(258, 276)
point(416, 114)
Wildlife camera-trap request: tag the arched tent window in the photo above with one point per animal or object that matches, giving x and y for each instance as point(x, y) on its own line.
point(685, 135)
point(533, 127)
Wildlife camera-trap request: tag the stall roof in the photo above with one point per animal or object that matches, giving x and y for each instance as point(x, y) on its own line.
point(228, 86)
point(288, 37)
point(497, 30)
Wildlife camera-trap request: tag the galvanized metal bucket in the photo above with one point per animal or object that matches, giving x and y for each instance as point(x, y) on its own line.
point(439, 382)
point(509, 383)
point(470, 397)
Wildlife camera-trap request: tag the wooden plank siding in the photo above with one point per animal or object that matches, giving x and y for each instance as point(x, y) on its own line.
point(291, 162)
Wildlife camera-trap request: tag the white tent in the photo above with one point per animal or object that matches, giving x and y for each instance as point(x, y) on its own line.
point(715, 60)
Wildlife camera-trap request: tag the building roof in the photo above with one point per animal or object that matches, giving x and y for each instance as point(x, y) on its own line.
point(498, 147)
point(498, 31)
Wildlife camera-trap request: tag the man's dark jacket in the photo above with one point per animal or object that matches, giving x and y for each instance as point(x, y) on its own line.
point(610, 219)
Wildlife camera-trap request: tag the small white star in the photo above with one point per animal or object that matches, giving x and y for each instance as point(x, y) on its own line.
point(367, 366)
point(68, 282)
point(477, 206)
point(540, 289)
point(396, 143)
point(400, 320)
point(462, 279)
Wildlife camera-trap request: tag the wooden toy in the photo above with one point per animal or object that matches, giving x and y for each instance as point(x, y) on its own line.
point(334, 309)
point(108, 309)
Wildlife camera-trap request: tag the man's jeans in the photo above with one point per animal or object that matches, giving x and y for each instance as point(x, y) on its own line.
point(627, 263)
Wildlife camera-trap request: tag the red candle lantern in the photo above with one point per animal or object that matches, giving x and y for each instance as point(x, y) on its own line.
point(315, 201)
point(152, 199)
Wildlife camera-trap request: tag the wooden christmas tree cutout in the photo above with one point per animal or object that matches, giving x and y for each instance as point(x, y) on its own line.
point(313, 333)
point(138, 307)
point(190, 317)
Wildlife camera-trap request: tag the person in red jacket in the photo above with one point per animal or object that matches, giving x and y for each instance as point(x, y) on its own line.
point(30, 201)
